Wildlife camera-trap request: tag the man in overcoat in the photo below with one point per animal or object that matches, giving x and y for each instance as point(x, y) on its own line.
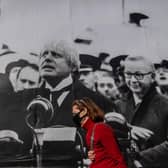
point(146, 111)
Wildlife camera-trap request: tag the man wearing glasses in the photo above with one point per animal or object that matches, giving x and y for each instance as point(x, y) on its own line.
point(146, 111)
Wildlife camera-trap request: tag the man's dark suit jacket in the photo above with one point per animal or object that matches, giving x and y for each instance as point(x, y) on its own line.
point(153, 115)
point(63, 115)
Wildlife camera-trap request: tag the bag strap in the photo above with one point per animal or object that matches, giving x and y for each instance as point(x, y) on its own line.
point(92, 137)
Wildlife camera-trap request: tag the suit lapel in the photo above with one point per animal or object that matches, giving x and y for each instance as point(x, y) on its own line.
point(141, 110)
point(130, 109)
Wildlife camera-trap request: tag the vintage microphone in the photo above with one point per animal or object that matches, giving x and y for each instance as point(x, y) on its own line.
point(123, 131)
point(42, 109)
point(40, 112)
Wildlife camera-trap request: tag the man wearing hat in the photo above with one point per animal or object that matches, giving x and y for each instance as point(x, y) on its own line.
point(117, 69)
point(88, 65)
point(87, 77)
point(12, 69)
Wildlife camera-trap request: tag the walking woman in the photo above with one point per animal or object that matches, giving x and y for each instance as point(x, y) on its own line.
point(100, 139)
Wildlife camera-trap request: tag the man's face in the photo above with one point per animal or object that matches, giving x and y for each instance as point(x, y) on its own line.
point(107, 87)
point(27, 79)
point(88, 79)
point(162, 76)
point(53, 64)
point(138, 76)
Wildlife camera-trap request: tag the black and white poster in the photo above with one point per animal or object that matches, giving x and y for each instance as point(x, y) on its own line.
point(53, 52)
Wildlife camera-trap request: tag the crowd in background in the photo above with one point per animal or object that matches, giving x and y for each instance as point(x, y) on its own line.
point(130, 90)
point(102, 73)
point(124, 84)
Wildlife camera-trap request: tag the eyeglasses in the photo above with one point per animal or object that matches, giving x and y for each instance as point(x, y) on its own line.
point(137, 75)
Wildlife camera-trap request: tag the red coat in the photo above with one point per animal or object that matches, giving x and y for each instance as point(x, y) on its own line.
point(107, 153)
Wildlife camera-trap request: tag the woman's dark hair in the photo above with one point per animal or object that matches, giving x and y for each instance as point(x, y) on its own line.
point(94, 111)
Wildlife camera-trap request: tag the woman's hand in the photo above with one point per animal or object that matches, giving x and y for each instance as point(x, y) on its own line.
point(91, 155)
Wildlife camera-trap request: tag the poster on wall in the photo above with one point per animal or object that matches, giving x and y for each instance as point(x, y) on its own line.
point(106, 60)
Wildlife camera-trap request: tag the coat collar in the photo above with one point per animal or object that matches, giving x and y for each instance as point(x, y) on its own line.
point(88, 124)
point(141, 109)
point(132, 111)
point(62, 84)
point(63, 89)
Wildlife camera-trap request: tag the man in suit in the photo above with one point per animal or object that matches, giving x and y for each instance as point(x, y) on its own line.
point(58, 68)
point(57, 65)
point(146, 111)
point(58, 62)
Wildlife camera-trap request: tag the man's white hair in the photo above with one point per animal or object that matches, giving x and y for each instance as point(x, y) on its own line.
point(140, 58)
point(65, 49)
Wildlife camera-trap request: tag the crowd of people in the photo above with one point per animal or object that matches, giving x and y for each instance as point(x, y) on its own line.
point(130, 85)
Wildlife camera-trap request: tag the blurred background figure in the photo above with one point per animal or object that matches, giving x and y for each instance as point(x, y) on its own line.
point(105, 61)
point(105, 85)
point(28, 77)
point(87, 77)
point(88, 65)
point(115, 65)
point(6, 50)
point(137, 18)
point(12, 69)
point(161, 76)
point(118, 73)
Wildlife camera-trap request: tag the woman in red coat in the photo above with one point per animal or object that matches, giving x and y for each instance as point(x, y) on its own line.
point(100, 139)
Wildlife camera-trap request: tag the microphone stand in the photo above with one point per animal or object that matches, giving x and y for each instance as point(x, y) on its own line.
point(38, 141)
point(39, 133)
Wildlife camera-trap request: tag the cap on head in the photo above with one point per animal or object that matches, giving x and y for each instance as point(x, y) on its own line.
point(85, 68)
point(6, 50)
point(19, 63)
point(164, 64)
point(90, 60)
point(103, 55)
